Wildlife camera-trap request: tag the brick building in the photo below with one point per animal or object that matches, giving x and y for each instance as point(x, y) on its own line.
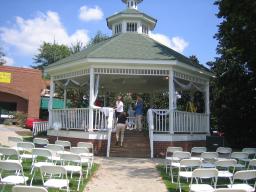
point(20, 90)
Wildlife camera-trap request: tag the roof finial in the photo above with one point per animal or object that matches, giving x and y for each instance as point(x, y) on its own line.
point(132, 4)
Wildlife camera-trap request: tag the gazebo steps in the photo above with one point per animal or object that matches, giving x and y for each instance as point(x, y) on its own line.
point(135, 145)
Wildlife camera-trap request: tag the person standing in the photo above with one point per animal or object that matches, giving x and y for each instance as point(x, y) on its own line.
point(119, 106)
point(138, 113)
point(120, 127)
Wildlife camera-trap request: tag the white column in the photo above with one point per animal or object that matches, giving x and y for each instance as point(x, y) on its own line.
point(50, 104)
point(171, 85)
point(65, 97)
point(91, 101)
point(207, 106)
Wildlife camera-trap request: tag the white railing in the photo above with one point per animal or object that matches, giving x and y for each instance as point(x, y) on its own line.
point(187, 122)
point(183, 122)
point(78, 119)
point(161, 120)
point(39, 127)
point(151, 131)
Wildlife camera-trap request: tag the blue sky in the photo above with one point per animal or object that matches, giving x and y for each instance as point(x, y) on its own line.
point(187, 26)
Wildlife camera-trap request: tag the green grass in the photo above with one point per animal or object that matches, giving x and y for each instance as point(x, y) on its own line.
point(172, 187)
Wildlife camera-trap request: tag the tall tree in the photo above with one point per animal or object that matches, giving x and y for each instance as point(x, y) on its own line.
point(98, 38)
point(2, 60)
point(77, 47)
point(50, 53)
point(233, 90)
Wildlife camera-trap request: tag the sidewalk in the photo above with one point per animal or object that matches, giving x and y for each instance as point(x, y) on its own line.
point(126, 175)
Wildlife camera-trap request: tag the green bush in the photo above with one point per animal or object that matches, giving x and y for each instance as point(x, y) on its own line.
point(20, 118)
point(8, 122)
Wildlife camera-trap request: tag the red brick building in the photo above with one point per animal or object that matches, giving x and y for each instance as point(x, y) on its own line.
point(20, 90)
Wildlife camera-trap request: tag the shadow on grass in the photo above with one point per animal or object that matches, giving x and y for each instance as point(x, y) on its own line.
point(172, 187)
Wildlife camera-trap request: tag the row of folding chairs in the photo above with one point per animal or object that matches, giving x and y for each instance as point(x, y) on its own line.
point(44, 142)
point(222, 152)
point(53, 176)
point(206, 179)
point(22, 188)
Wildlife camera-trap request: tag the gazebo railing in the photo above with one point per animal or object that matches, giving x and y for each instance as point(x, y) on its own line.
point(183, 122)
point(188, 122)
point(78, 119)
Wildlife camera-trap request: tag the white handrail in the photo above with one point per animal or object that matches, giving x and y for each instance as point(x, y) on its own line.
point(110, 113)
point(151, 131)
point(39, 127)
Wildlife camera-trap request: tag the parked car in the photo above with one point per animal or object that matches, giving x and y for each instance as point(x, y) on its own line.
point(29, 122)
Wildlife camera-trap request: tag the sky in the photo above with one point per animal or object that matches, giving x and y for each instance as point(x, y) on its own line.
point(187, 26)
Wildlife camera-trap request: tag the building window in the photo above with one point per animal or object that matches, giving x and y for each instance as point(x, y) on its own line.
point(132, 4)
point(145, 29)
point(118, 28)
point(131, 27)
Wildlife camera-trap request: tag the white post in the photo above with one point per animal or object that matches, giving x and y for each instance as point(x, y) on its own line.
point(91, 102)
point(207, 106)
point(171, 99)
point(50, 104)
point(65, 97)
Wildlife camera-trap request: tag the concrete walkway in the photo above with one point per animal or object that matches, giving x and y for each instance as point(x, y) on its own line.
point(126, 175)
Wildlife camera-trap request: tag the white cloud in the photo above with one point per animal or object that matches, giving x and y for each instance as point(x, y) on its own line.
point(28, 35)
point(176, 43)
point(90, 14)
point(9, 61)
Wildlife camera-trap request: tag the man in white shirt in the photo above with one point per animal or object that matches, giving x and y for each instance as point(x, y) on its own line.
point(119, 106)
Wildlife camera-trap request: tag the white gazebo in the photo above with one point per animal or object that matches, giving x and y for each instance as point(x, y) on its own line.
point(129, 61)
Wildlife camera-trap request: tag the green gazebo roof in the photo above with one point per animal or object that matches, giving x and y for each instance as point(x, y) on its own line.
point(130, 46)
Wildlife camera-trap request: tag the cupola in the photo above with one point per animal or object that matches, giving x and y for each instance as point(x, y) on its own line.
point(131, 20)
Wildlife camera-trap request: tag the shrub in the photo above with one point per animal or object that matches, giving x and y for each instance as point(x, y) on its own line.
point(20, 118)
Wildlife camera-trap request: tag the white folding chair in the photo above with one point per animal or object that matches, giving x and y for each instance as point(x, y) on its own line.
point(73, 164)
point(197, 151)
point(252, 164)
point(229, 190)
point(244, 176)
point(89, 145)
point(224, 166)
point(202, 174)
point(10, 154)
point(169, 157)
point(86, 156)
point(178, 156)
point(251, 151)
point(224, 152)
point(40, 142)
point(186, 168)
point(15, 140)
point(209, 159)
point(63, 143)
point(40, 158)
point(21, 188)
point(56, 174)
point(25, 149)
point(17, 177)
point(56, 151)
point(241, 158)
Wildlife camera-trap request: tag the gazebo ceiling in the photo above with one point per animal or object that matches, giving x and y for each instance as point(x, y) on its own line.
point(120, 83)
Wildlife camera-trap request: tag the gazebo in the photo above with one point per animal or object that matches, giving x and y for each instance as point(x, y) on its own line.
point(130, 61)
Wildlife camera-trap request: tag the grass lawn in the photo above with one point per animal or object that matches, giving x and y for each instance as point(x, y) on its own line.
point(38, 181)
point(167, 180)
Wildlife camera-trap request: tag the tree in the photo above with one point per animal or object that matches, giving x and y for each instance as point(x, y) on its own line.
point(50, 53)
point(194, 59)
point(99, 37)
point(2, 60)
point(233, 91)
point(79, 46)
